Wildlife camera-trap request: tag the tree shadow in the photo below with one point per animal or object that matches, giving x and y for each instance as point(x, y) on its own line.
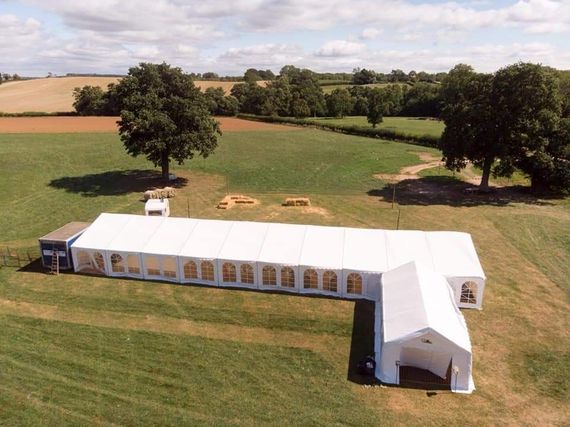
point(362, 341)
point(451, 191)
point(115, 183)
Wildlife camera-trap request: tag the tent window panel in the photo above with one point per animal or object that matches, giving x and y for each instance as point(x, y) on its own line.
point(229, 272)
point(117, 263)
point(190, 270)
point(246, 273)
point(152, 266)
point(83, 259)
point(133, 264)
point(354, 283)
point(469, 293)
point(99, 260)
point(330, 281)
point(169, 267)
point(207, 270)
point(269, 276)
point(310, 279)
point(287, 277)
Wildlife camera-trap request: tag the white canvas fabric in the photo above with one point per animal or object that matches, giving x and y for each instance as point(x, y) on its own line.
point(346, 252)
point(281, 248)
point(421, 326)
point(322, 252)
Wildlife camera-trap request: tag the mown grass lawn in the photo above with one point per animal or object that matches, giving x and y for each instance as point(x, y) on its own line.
point(78, 350)
point(408, 125)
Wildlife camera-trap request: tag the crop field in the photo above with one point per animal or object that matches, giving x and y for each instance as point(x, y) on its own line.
point(82, 350)
point(51, 95)
point(409, 125)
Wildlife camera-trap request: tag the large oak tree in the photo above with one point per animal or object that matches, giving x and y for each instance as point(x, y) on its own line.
point(164, 116)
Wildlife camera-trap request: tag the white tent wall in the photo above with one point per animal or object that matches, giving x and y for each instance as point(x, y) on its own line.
point(225, 276)
point(421, 326)
point(124, 264)
point(161, 267)
point(434, 357)
point(467, 291)
point(325, 250)
point(200, 264)
point(282, 277)
point(370, 284)
point(97, 263)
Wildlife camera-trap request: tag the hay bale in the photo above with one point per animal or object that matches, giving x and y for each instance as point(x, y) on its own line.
point(297, 201)
point(149, 194)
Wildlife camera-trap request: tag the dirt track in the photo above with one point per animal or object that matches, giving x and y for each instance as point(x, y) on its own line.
point(108, 124)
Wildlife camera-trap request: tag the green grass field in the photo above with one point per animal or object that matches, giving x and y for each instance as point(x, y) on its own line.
point(78, 350)
point(409, 125)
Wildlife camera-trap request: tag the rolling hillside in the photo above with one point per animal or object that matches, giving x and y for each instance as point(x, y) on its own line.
point(56, 94)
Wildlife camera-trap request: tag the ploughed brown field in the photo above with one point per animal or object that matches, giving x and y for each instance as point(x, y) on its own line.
point(55, 94)
point(109, 124)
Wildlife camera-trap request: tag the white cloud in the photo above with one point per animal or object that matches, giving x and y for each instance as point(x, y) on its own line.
point(339, 48)
point(111, 35)
point(370, 33)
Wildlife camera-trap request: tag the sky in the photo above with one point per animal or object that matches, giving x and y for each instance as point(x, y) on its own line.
point(109, 36)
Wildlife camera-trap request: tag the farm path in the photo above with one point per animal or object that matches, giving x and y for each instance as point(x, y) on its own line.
point(411, 172)
point(321, 343)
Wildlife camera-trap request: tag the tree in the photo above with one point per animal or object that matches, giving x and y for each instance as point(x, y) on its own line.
point(375, 107)
point(93, 101)
point(505, 121)
point(299, 107)
point(210, 76)
point(89, 100)
point(278, 98)
point(339, 103)
point(363, 76)
point(469, 133)
point(423, 99)
point(164, 116)
point(219, 104)
point(527, 112)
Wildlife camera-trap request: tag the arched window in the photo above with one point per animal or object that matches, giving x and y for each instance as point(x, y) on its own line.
point(329, 281)
point(83, 259)
point(354, 283)
point(133, 264)
point(229, 272)
point(310, 279)
point(190, 270)
point(207, 270)
point(287, 277)
point(99, 261)
point(269, 275)
point(469, 293)
point(117, 263)
point(246, 273)
point(169, 267)
point(152, 266)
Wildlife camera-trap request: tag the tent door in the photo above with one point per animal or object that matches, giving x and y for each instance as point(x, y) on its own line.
point(434, 361)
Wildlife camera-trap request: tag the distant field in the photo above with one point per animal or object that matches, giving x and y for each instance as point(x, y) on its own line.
point(52, 95)
point(410, 125)
point(330, 88)
point(82, 350)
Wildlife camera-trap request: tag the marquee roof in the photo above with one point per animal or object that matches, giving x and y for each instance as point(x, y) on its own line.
point(368, 250)
point(415, 299)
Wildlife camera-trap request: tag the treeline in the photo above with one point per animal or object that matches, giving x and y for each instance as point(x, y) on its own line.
point(294, 92)
point(5, 77)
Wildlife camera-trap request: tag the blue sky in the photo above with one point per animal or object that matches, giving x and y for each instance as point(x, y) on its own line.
point(108, 36)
